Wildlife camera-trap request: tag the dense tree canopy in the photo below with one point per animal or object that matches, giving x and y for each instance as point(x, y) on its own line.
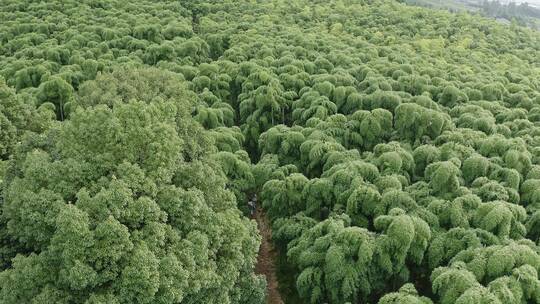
point(107, 207)
point(395, 150)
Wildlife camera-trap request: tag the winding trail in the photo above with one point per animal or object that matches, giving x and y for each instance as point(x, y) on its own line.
point(266, 259)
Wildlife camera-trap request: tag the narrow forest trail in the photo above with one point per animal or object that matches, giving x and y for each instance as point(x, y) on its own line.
point(267, 258)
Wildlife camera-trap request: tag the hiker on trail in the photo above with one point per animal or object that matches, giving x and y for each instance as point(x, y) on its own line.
point(252, 205)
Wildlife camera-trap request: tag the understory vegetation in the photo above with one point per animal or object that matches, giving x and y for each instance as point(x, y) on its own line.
point(394, 149)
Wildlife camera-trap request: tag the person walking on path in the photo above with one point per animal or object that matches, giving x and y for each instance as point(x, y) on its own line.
point(252, 204)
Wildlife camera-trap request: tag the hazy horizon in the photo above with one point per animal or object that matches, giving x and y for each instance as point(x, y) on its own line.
point(534, 2)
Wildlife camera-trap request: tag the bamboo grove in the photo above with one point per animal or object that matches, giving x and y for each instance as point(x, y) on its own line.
point(395, 149)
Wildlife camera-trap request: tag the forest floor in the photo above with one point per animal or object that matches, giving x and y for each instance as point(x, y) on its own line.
point(266, 262)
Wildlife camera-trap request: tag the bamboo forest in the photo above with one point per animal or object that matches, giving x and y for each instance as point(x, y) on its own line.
point(267, 151)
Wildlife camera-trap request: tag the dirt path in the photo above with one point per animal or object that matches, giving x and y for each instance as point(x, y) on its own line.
point(266, 259)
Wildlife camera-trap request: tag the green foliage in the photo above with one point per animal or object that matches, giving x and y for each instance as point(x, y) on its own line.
point(393, 148)
point(366, 129)
point(443, 177)
point(59, 93)
point(414, 122)
point(407, 294)
point(334, 260)
point(18, 116)
point(508, 272)
point(237, 169)
point(284, 197)
point(103, 211)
